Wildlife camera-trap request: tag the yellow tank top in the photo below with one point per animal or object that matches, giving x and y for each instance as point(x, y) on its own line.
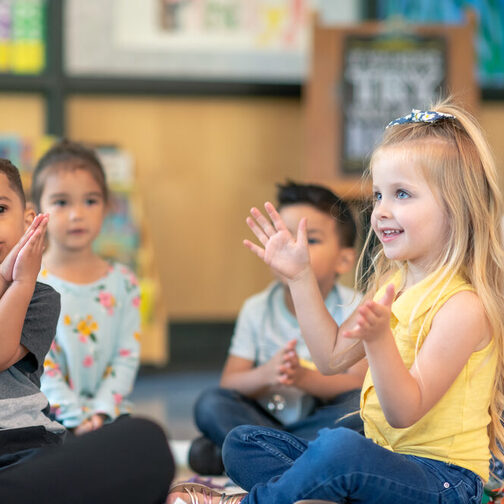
point(455, 429)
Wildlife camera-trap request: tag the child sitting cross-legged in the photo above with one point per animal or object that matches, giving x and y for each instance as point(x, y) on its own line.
point(431, 326)
point(91, 367)
point(35, 465)
point(268, 379)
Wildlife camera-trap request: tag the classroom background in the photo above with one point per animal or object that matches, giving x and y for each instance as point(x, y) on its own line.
point(198, 107)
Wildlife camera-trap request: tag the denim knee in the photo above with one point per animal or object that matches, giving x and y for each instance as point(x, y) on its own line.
point(331, 444)
point(235, 446)
point(235, 443)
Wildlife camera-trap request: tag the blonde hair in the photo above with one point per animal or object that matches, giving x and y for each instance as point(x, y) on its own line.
point(456, 161)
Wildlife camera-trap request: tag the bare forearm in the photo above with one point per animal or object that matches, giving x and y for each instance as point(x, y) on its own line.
point(13, 306)
point(318, 328)
point(3, 285)
point(251, 383)
point(330, 353)
point(327, 387)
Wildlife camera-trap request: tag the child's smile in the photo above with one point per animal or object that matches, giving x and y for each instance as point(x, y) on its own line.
point(389, 234)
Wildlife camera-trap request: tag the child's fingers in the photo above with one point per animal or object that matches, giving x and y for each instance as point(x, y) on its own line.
point(376, 309)
point(285, 380)
point(289, 355)
point(301, 231)
point(353, 333)
point(96, 422)
point(258, 251)
point(290, 345)
point(265, 224)
point(388, 297)
point(35, 224)
point(274, 216)
point(287, 375)
point(30, 246)
point(40, 239)
point(261, 236)
point(366, 315)
point(29, 231)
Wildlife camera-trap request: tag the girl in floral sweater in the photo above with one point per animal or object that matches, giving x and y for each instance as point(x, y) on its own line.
point(93, 361)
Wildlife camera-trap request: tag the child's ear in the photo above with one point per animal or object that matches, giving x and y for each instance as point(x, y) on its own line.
point(29, 214)
point(345, 261)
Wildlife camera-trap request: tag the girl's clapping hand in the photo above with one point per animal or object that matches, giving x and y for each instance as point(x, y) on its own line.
point(373, 320)
point(287, 256)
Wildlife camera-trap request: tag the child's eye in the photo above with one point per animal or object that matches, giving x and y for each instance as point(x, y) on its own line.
point(91, 201)
point(59, 202)
point(313, 241)
point(401, 194)
point(377, 196)
point(2, 208)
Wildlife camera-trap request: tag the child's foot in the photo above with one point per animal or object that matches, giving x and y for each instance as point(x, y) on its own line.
point(195, 493)
point(205, 457)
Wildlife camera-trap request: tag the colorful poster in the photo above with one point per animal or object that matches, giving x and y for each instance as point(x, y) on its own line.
point(490, 28)
point(260, 40)
point(22, 36)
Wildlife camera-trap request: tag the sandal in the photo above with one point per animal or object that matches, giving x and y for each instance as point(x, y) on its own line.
point(203, 494)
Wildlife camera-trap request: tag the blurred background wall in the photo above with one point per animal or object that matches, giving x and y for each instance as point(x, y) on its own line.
point(211, 124)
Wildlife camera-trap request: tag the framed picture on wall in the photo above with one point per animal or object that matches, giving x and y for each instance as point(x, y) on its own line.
point(224, 40)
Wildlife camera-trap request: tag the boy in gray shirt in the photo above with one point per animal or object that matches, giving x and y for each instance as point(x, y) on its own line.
point(28, 313)
point(129, 462)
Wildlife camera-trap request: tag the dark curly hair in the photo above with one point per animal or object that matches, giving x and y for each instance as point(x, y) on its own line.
point(326, 201)
point(12, 174)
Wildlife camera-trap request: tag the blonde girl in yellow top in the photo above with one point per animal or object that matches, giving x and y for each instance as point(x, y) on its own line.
point(431, 328)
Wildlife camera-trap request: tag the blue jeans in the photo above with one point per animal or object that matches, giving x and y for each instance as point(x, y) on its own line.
point(217, 411)
point(341, 465)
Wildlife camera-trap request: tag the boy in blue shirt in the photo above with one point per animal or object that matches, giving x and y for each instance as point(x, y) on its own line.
point(268, 378)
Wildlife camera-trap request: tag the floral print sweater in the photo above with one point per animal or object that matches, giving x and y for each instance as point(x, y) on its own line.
point(94, 358)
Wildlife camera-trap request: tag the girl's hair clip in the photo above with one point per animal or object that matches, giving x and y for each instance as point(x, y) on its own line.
point(426, 116)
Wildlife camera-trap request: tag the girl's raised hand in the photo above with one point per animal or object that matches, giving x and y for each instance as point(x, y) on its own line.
point(373, 321)
point(287, 256)
point(7, 266)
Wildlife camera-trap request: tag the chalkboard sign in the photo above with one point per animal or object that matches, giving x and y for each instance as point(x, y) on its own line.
point(383, 78)
point(363, 76)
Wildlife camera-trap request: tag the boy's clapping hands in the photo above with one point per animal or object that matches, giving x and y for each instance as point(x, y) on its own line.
point(23, 261)
point(284, 367)
point(291, 367)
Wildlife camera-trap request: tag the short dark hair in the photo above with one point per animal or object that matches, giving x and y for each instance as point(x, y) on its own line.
point(12, 174)
point(75, 156)
point(326, 201)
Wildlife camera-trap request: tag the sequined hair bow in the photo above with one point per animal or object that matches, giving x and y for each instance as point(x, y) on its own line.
point(426, 116)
